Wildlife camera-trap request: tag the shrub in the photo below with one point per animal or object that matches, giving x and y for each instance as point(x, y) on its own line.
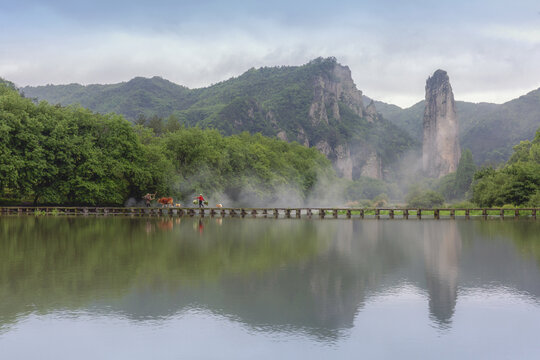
point(424, 199)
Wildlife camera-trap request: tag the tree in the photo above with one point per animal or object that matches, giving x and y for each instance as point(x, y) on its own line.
point(517, 183)
point(418, 198)
point(172, 124)
point(464, 174)
point(60, 155)
point(156, 124)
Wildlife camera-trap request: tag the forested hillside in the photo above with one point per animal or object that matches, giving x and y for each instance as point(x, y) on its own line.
point(316, 104)
point(488, 130)
point(70, 155)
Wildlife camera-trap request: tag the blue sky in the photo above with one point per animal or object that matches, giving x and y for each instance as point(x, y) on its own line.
point(491, 49)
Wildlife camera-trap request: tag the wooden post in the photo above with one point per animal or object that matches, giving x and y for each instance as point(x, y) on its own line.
point(502, 213)
point(298, 213)
point(322, 213)
point(201, 212)
point(309, 213)
point(517, 213)
point(419, 213)
point(436, 214)
point(335, 213)
point(287, 213)
point(254, 213)
point(348, 213)
point(361, 213)
point(534, 213)
point(377, 213)
point(276, 213)
point(406, 213)
point(265, 212)
point(223, 212)
point(391, 213)
point(484, 213)
point(467, 214)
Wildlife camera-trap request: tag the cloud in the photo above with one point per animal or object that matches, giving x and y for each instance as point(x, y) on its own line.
point(524, 34)
point(390, 53)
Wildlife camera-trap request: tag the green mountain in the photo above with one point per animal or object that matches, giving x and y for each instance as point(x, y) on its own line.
point(154, 96)
point(488, 130)
point(317, 105)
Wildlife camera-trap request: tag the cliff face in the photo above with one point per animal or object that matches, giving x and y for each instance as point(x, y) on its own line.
point(440, 150)
point(331, 89)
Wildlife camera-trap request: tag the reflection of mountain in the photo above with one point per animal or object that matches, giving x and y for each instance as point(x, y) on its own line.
point(301, 275)
point(442, 245)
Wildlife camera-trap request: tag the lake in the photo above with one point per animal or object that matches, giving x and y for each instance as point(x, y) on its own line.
point(232, 288)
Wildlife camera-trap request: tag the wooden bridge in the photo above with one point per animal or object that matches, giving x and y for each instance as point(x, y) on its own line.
point(377, 213)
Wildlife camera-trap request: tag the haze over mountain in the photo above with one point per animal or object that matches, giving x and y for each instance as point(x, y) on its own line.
point(316, 104)
point(488, 130)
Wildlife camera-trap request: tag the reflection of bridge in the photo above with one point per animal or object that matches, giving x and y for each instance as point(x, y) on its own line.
point(376, 213)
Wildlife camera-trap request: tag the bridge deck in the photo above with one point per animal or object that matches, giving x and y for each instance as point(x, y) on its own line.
point(322, 212)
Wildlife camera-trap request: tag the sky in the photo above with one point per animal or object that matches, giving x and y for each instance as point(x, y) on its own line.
point(490, 48)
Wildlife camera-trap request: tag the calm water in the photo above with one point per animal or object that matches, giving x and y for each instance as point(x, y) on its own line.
point(137, 288)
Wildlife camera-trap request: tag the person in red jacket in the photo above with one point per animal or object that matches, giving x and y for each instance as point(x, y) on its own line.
point(201, 200)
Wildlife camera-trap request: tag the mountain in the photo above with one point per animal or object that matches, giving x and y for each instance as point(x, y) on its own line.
point(440, 147)
point(154, 96)
point(488, 130)
point(316, 104)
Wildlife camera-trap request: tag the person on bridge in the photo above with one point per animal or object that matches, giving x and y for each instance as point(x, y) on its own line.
point(148, 198)
point(201, 200)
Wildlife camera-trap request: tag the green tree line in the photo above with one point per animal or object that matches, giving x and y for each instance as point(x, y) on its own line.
point(517, 183)
point(70, 155)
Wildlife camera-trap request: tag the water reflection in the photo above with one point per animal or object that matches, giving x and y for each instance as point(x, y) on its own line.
point(442, 247)
point(290, 276)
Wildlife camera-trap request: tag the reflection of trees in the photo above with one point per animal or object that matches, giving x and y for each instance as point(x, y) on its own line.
point(54, 263)
point(524, 234)
point(502, 253)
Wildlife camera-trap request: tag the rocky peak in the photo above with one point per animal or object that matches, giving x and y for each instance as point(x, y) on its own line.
point(440, 150)
point(331, 87)
point(371, 111)
point(345, 89)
